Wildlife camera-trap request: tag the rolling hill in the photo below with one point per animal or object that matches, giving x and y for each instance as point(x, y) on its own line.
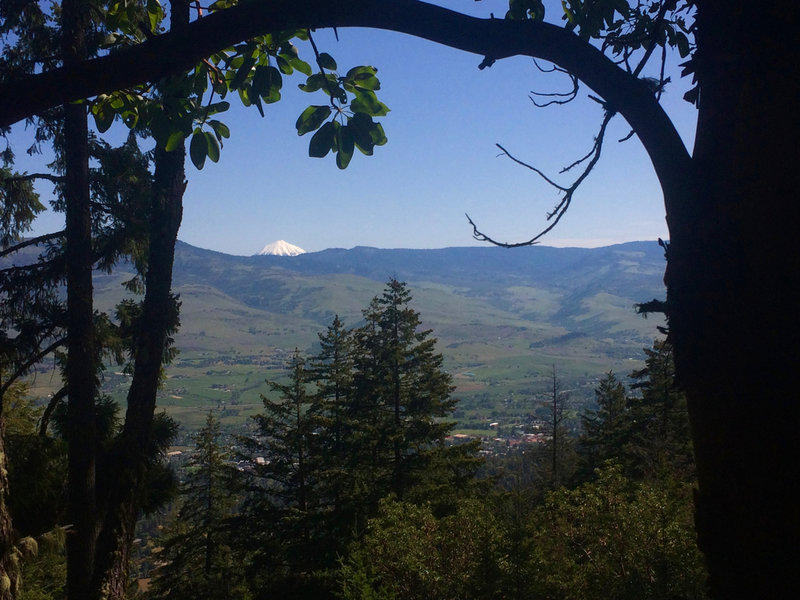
point(503, 318)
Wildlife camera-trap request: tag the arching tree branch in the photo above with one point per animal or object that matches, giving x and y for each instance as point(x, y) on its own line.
point(497, 38)
point(32, 360)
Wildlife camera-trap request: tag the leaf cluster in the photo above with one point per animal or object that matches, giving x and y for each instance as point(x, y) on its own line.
point(353, 104)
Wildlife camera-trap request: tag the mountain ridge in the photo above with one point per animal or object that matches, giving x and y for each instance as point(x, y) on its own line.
point(503, 318)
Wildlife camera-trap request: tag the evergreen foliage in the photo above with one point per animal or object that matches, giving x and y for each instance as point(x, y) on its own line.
point(198, 556)
point(615, 538)
point(280, 517)
point(323, 455)
point(660, 438)
point(606, 428)
point(647, 431)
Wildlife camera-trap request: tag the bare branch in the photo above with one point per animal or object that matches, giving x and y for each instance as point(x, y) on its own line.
point(532, 168)
point(561, 208)
point(559, 97)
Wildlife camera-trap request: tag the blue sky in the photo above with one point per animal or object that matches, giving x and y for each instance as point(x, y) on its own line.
point(440, 161)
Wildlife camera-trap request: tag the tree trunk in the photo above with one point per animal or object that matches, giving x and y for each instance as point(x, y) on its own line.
point(81, 359)
point(733, 282)
point(9, 567)
point(159, 316)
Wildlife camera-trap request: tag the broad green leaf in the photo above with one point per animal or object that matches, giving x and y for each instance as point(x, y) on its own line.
point(360, 126)
point(243, 73)
point(378, 135)
point(313, 83)
point(218, 107)
point(301, 65)
point(130, 118)
point(361, 71)
point(267, 82)
point(311, 118)
point(322, 141)
point(174, 141)
point(284, 65)
point(367, 102)
point(103, 117)
point(326, 61)
point(220, 129)
point(198, 148)
point(212, 146)
point(346, 145)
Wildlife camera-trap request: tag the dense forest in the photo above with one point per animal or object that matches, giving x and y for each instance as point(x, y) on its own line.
point(349, 485)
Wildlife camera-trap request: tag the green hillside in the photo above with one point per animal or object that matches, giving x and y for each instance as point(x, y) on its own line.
point(503, 318)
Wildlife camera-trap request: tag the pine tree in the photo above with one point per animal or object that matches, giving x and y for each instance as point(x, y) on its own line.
point(660, 438)
point(198, 553)
point(282, 513)
point(605, 429)
point(400, 380)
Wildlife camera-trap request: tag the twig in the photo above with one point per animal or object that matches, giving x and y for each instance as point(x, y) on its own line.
point(560, 97)
point(322, 69)
point(563, 205)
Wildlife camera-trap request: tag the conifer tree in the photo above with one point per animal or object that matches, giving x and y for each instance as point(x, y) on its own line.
point(282, 512)
point(660, 438)
point(605, 429)
point(556, 459)
point(341, 481)
point(400, 379)
point(199, 556)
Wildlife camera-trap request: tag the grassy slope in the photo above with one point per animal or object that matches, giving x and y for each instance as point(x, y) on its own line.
point(502, 318)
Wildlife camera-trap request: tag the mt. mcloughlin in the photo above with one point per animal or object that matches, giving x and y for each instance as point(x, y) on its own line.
point(281, 248)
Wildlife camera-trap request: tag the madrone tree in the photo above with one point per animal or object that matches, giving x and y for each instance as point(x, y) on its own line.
point(732, 266)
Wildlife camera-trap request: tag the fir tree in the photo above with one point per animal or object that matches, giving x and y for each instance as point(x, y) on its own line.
point(198, 553)
point(400, 379)
point(281, 516)
point(660, 442)
point(341, 482)
point(606, 429)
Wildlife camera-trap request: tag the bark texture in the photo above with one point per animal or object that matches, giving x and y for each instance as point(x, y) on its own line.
point(9, 564)
point(733, 279)
point(134, 451)
point(80, 366)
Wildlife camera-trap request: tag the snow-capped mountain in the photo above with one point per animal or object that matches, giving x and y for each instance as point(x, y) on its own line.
point(281, 248)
